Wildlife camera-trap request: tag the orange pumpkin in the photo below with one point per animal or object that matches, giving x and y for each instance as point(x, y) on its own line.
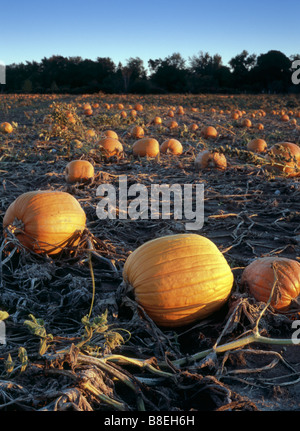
point(79, 171)
point(146, 147)
point(110, 147)
point(285, 157)
point(43, 220)
point(246, 122)
point(172, 146)
point(138, 107)
point(257, 145)
point(178, 279)
point(209, 132)
point(137, 132)
point(259, 278)
point(111, 134)
point(6, 128)
point(210, 160)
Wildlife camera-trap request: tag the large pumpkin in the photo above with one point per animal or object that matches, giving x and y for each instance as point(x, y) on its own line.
point(259, 277)
point(43, 220)
point(285, 157)
point(179, 279)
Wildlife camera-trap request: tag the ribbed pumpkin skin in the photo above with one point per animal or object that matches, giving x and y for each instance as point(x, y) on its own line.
point(179, 279)
point(79, 171)
point(259, 278)
point(146, 147)
point(48, 218)
point(172, 146)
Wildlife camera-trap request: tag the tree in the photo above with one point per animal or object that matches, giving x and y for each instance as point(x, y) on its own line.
point(241, 66)
point(273, 71)
point(169, 74)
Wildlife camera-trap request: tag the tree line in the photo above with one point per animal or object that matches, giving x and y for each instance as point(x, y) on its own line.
point(270, 72)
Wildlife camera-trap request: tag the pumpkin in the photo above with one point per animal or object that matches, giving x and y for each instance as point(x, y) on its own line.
point(43, 220)
point(146, 147)
point(88, 112)
point(172, 124)
point(138, 107)
point(157, 120)
point(137, 132)
point(210, 159)
point(193, 127)
point(209, 132)
point(6, 128)
point(178, 279)
point(180, 110)
point(79, 171)
point(246, 122)
point(110, 146)
point(287, 156)
point(285, 118)
point(235, 115)
point(111, 134)
point(259, 277)
point(257, 145)
point(172, 146)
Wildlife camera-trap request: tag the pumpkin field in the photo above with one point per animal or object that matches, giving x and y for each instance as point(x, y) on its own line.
point(128, 314)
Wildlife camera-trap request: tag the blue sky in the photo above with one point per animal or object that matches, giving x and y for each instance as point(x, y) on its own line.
point(31, 29)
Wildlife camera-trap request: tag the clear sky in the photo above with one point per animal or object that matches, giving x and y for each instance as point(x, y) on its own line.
point(33, 29)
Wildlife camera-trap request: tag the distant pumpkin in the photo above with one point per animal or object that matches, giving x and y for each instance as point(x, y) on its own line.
point(79, 171)
point(257, 145)
point(137, 132)
point(209, 132)
point(210, 160)
point(6, 128)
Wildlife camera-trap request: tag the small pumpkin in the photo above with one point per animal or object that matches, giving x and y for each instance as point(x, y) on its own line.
point(157, 120)
point(6, 128)
point(137, 132)
point(111, 134)
point(259, 277)
point(43, 220)
point(210, 160)
point(257, 145)
point(110, 147)
point(209, 132)
point(79, 171)
point(246, 122)
point(172, 146)
point(285, 157)
point(178, 279)
point(145, 147)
